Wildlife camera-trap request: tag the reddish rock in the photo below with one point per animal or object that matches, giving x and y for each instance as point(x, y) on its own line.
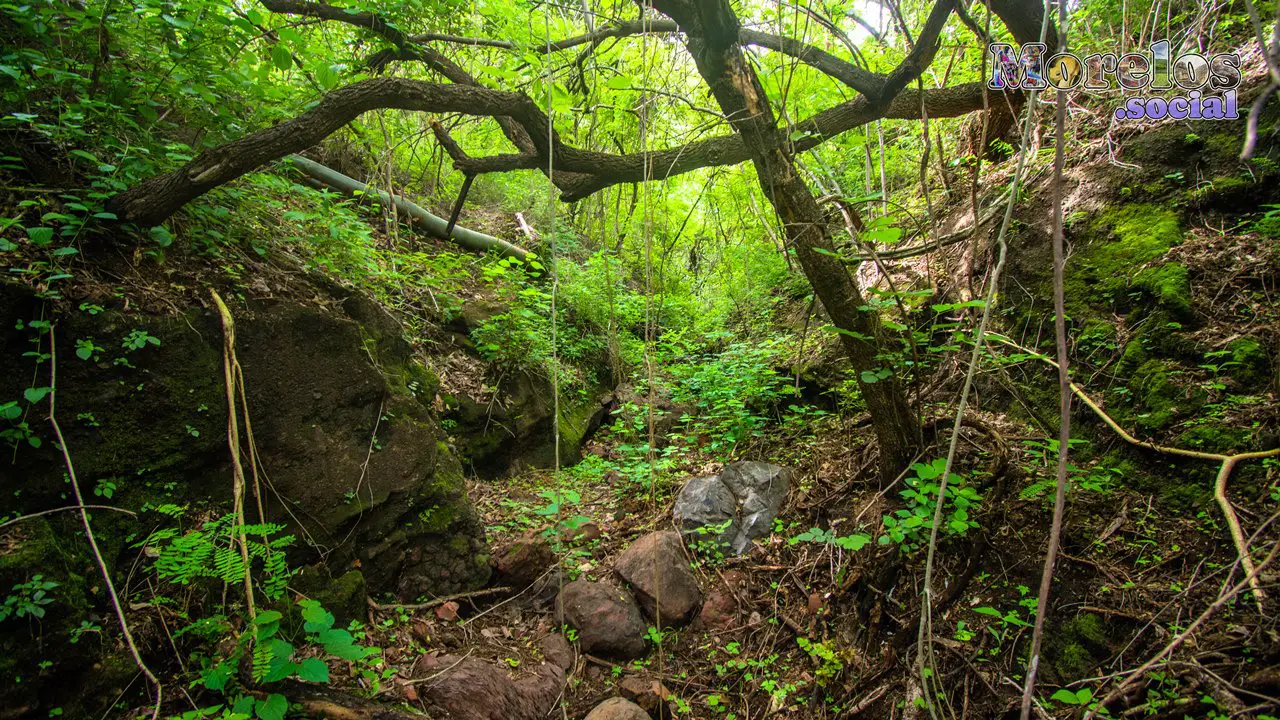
point(471, 689)
point(607, 619)
point(720, 611)
point(650, 695)
point(524, 561)
point(557, 651)
point(657, 570)
point(617, 708)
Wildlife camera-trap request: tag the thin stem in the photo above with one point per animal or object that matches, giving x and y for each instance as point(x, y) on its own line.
point(88, 530)
point(1064, 386)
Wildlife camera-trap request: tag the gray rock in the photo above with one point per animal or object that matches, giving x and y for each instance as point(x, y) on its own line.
point(706, 502)
point(608, 619)
point(747, 495)
point(616, 708)
point(658, 572)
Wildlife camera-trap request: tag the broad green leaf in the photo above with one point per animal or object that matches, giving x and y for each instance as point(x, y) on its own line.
point(40, 235)
point(281, 58)
point(272, 708)
point(313, 670)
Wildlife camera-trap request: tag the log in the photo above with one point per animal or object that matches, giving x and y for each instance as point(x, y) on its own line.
point(422, 219)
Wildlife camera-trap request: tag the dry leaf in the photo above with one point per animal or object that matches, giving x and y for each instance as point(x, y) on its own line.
point(448, 611)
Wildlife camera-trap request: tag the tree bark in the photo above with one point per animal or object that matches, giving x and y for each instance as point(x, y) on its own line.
point(713, 37)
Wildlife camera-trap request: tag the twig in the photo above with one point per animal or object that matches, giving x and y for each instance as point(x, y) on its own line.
point(1220, 485)
point(1177, 641)
point(438, 601)
point(88, 530)
point(33, 515)
point(1064, 386)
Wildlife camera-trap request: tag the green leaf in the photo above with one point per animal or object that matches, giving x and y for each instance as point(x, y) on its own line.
point(267, 616)
point(313, 670)
point(40, 235)
point(315, 617)
point(618, 82)
point(272, 708)
point(281, 57)
point(1070, 697)
point(161, 236)
point(35, 394)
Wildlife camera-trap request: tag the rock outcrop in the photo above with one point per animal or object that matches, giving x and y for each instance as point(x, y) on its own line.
point(351, 458)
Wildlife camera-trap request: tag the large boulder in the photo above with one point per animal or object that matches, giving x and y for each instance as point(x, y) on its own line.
point(658, 572)
point(351, 458)
point(735, 506)
point(513, 426)
point(607, 619)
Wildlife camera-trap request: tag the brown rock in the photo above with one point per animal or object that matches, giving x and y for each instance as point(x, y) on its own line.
point(524, 561)
point(720, 611)
point(607, 619)
point(656, 568)
point(650, 695)
point(557, 651)
point(471, 689)
point(617, 708)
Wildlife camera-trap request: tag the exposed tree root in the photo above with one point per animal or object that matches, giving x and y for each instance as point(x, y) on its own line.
point(1220, 485)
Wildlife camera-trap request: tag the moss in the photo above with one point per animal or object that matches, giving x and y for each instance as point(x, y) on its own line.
point(345, 596)
point(437, 518)
point(1142, 234)
point(1158, 395)
point(1181, 486)
point(1117, 258)
point(1169, 285)
point(1076, 648)
point(1134, 355)
point(1213, 437)
point(1251, 364)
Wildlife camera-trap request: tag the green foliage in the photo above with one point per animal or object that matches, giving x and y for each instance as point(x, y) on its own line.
point(733, 393)
point(852, 543)
point(28, 599)
point(212, 552)
point(910, 526)
point(274, 658)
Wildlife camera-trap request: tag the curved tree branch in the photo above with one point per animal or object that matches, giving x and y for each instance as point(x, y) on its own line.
point(153, 200)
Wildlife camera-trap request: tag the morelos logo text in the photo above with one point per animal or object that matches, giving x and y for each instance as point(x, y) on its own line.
point(1191, 86)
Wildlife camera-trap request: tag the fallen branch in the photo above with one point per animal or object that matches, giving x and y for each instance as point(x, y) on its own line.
point(440, 600)
point(1220, 484)
point(32, 516)
point(422, 219)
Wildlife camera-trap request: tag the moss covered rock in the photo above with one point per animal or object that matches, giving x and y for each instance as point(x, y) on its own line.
point(349, 452)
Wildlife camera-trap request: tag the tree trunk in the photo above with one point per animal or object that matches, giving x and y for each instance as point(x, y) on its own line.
point(713, 34)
